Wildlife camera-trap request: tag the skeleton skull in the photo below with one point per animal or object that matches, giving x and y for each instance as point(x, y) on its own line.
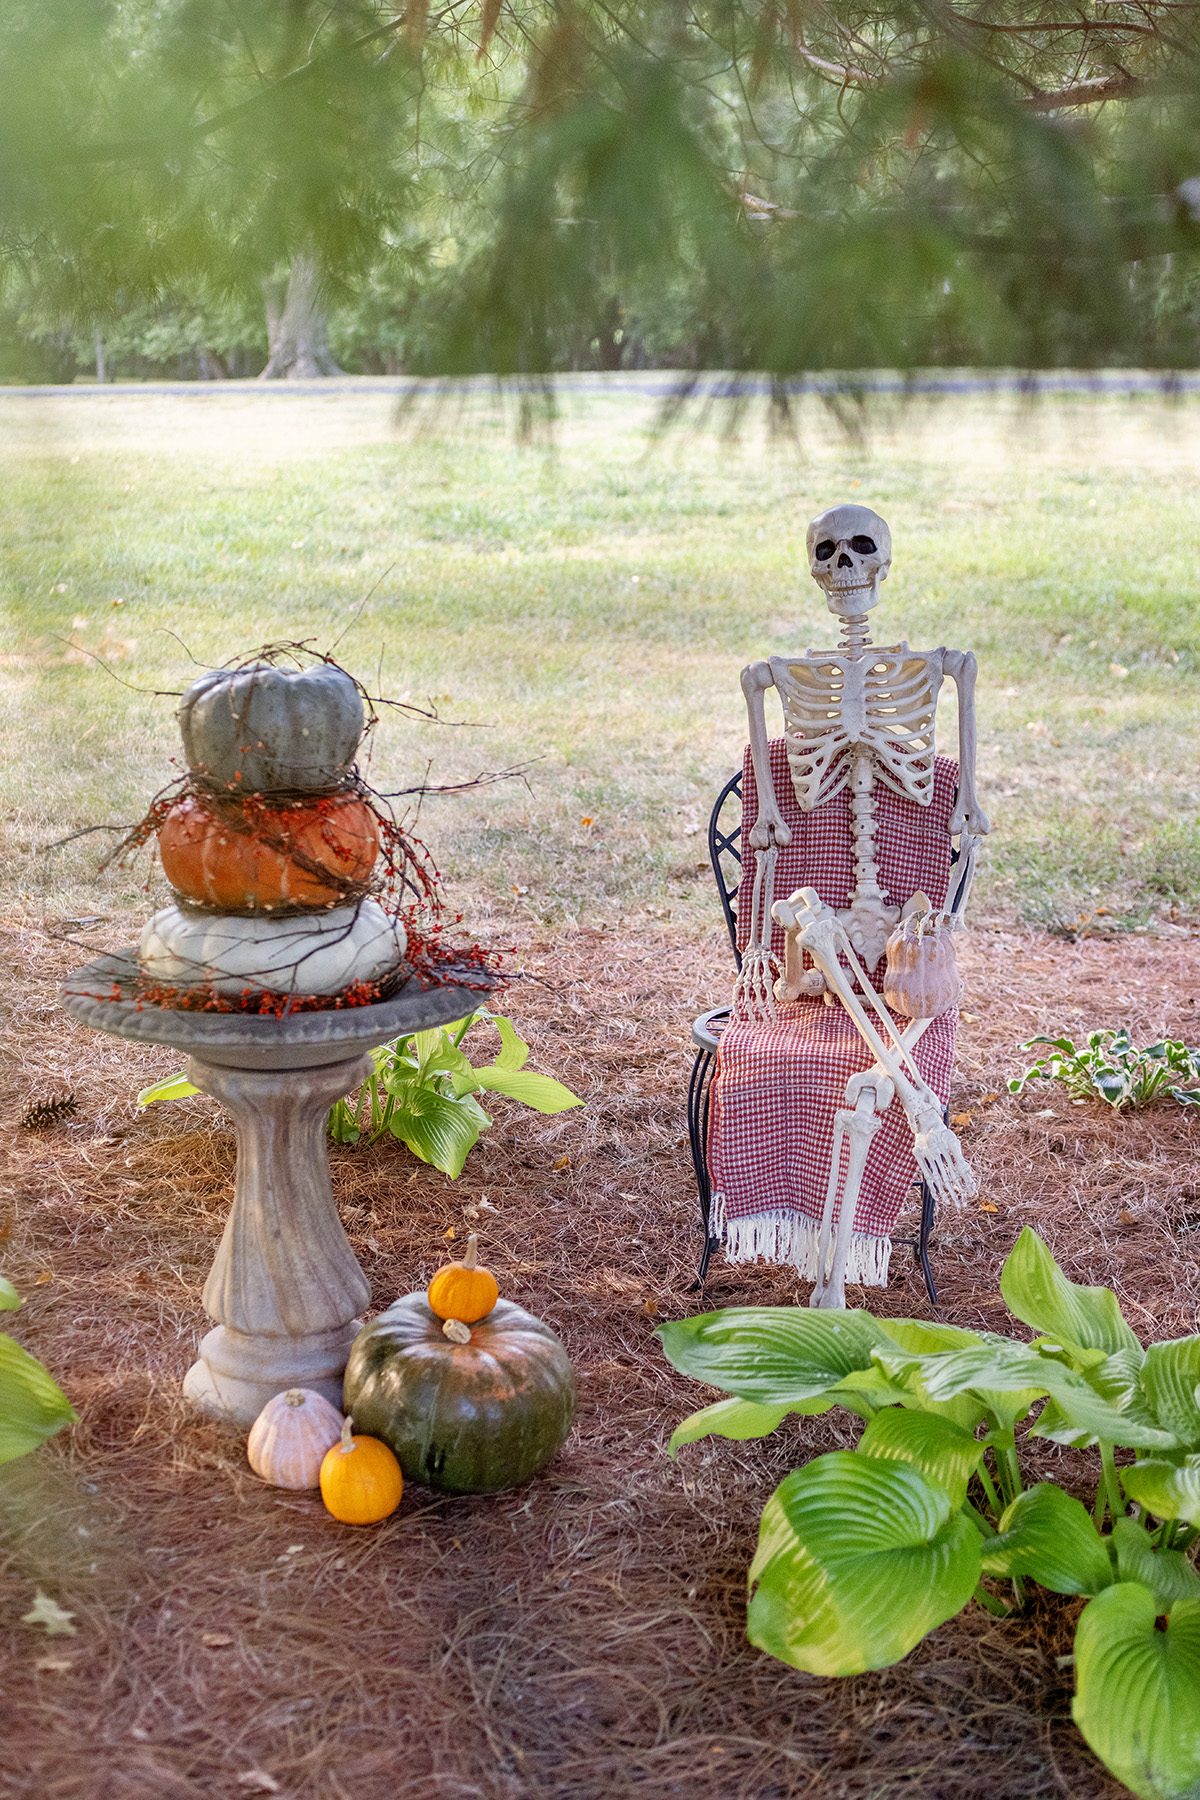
point(849, 554)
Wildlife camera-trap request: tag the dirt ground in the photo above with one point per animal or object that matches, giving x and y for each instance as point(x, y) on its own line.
point(583, 1636)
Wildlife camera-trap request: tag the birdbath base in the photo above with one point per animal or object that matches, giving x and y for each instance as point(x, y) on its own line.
point(285, 1289)
point(285, 1284)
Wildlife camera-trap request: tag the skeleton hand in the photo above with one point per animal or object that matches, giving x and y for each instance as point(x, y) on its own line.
point(940, 1158)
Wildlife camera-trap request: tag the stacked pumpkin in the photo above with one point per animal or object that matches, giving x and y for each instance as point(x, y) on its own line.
point(271, 848)
point(453, 1387)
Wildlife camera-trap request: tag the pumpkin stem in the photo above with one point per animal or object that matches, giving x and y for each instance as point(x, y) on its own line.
point(295, 1396)
point(347, 1440)
point(471, 1259)
point(456, 1331)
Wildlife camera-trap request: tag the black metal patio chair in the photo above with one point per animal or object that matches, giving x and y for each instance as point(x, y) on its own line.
point(724, 852)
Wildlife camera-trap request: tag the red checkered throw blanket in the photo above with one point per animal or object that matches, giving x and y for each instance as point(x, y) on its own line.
point(778, 1084)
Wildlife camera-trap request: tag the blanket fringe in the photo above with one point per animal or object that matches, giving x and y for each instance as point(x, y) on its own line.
point(787, 1236)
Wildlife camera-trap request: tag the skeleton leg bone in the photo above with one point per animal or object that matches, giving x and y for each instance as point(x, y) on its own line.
point(935, 1146)
point(868, 1096)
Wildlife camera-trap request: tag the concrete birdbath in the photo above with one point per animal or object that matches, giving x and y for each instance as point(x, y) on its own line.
point(281, 963)
point(285, 1288)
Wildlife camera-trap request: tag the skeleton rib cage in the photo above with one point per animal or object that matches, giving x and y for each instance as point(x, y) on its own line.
point(884, 700)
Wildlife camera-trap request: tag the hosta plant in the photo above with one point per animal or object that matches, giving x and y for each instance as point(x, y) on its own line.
point(1111, 1068)
point(863, 1552)
point(32, 1405)
point(423, 1092)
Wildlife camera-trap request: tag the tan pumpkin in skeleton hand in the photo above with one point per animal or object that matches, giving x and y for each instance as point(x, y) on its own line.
point(922, 979)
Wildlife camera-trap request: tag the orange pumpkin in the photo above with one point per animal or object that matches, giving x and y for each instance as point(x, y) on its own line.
point(463, 1290)
point(361, 1481)
point(254, 858)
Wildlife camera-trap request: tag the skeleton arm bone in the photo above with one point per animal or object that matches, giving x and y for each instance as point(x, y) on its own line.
point(768, 827)
point(960, 666)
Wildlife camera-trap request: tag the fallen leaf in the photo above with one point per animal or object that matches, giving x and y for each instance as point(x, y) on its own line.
point(969, 1018)
point(49, 1613)
point(259, 1782)
point(449, 1232)
point(470, 1212)
point(43, 1278)
point(587, 821)
point(985, 1206)
point(485, 1204)
point(986, 1099)
point(957, 1119)
point(564, 1162)
point(1128, 1218)
point(650, 1309)
point(215, 1640)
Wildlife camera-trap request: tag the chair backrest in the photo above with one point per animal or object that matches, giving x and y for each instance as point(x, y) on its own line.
point(724, 841)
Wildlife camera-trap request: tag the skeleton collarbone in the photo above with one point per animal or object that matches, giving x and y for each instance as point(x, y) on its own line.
point(881, 700)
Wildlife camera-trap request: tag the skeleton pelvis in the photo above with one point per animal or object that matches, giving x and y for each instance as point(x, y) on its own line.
point(869, 924)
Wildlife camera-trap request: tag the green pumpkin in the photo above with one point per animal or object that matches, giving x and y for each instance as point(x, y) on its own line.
point(467, 1418)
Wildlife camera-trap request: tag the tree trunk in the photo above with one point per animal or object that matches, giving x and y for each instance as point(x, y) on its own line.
point(296, 326)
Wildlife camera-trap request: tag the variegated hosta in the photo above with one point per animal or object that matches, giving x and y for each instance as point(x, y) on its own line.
point(862, 1553)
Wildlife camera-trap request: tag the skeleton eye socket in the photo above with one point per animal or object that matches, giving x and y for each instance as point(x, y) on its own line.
point(862, 546)
point(826, 549)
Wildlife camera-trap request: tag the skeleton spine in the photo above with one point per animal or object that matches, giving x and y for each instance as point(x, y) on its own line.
point(856, 640)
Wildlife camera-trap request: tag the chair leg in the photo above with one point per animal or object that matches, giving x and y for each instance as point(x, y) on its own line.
point(698, 1098)
point(921, 1247)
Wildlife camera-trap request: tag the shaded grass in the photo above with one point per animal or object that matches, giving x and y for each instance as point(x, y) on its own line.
point(587, 608)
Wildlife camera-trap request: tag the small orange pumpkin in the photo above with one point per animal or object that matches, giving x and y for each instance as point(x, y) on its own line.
point(255, 858)
point(464, 1290)
point(361, 1481)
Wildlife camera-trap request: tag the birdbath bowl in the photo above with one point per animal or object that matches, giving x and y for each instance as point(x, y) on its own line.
point(285, 1288)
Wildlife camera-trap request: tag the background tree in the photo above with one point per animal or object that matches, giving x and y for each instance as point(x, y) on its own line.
point(775, 184)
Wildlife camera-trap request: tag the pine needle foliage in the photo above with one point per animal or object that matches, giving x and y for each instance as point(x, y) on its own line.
point(799, 184)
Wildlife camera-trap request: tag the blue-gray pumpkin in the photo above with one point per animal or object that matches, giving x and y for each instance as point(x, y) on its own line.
point(471, 1417)
point(262, 730)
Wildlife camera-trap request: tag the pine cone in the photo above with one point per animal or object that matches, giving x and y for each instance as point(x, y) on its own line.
point(52, 1111)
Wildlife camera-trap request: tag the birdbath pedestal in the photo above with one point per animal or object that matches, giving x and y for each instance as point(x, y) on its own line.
point(285, 1288)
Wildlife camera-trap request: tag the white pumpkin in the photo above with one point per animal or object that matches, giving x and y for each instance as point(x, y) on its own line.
point(312, 953)
point(922, 979)
point(290, 1436)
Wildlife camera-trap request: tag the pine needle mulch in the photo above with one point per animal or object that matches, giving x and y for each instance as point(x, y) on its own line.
point(583, 1636)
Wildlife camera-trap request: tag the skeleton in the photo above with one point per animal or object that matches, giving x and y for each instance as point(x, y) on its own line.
point(856, 717)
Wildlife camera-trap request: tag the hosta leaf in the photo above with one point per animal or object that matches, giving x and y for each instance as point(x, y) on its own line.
point(740, 1420)
point(1037, 1292)
point(541, 1092)
point(937, 1449)
point(1170, 1490)
point(1170, 1379)
point(1049, 1536)
point(171, 1087)
point(1168, 1574)
point(1116, 1383)
point(439, 1129)
point(999, 1374)
point(857, 1559)
point(774, 1355)
point(1137, 1698)
point(924, 1338)
point(514, 1051)
point(32, 1405)
point(10, 1300)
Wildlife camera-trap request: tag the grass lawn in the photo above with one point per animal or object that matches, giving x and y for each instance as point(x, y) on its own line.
point(586, 608)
